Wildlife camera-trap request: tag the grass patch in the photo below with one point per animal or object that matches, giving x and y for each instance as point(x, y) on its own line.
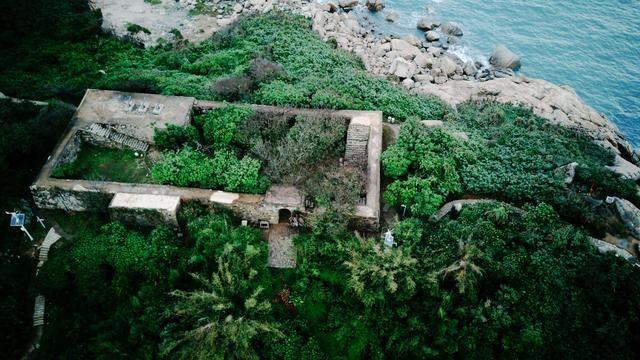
point(103, 164)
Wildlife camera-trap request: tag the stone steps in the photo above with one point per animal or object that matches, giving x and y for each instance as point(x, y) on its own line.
point(38, 311)
point(119, 138)
point(356, 147)
point(38, 308)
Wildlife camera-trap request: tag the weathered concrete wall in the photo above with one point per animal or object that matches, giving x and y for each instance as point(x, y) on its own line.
point(71, 151)
point(145, 209)
point(142, 217)
point(78, 198)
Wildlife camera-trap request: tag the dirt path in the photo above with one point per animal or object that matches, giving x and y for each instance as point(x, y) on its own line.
point(282, 253)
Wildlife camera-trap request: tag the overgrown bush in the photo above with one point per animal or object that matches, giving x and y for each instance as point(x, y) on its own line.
point(424, 163)
point(223, 170)
point(174, 137)
point(219, 125)
point(309, 140)
point(232, 88)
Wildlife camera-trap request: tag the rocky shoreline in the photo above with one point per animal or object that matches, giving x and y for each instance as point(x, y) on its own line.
point(424, 65)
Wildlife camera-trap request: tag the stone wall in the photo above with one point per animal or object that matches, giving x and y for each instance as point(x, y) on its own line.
point(71, 151)
point(77, 199)
point(96, 140)
point(143, 217)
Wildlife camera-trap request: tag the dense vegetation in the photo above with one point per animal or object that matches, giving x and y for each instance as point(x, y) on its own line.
point(272, 59)
point(238, 150)
point(506, 153)
point(494, 281)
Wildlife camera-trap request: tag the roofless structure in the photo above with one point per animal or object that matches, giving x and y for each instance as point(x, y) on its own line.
point(128, 120)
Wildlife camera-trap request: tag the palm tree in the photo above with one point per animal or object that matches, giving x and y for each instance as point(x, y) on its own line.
point(464, 270)
point(221, 320)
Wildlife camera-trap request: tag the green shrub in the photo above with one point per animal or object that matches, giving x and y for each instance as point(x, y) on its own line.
point(219, 125)
point(135, 28)
point(175, 137)
point(424, 163)
point(186, 168)
point(223, 170)
point(309, 140)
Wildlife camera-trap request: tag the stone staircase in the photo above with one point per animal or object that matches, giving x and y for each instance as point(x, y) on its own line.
point(356, 148)
point(38, 311)
point(38, 308)
point(119, 138)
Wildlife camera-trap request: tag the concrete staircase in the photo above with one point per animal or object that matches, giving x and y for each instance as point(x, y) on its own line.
point(119, 138)
point(38, 308)
point(356, 148)
point(38, 311)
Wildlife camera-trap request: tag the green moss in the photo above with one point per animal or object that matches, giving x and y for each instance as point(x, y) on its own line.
point(104, 164)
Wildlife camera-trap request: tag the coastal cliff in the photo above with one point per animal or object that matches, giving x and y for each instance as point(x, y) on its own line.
point(421, 66)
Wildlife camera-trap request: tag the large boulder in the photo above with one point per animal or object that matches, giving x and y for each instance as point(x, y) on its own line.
point(451, 28)
point(404, 49)
point(426, 24)
point(424, 60)
point(402, 68)
point(446, 64)
point(375, 5)
point(470, 68)
point(432, 36)
point(504, 58)
point(348, 4)
point(412, 39)
point(629, 214)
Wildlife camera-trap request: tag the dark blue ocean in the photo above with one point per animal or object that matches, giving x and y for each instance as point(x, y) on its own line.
point(592, 46)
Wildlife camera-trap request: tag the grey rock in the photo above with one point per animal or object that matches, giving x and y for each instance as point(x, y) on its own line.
point(375, 5)
point(432, 36)
point(446, 64)
point(426, 24)
point(503, 73)
point(423, 60)
point(440, 80)
point(423, 78)
point(348, 4)
point(504, 58)
point(408, 83)
point(412, 39)
point(451, 28)
point(629, 214)
point(391, 16)
point(568, 172)
point(402, 68)
point(406, 50)
point(470, 68)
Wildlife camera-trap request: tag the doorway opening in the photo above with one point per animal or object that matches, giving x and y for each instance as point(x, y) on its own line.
point(283, 216)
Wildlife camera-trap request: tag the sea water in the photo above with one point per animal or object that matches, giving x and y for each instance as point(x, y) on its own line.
point(592, 46)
